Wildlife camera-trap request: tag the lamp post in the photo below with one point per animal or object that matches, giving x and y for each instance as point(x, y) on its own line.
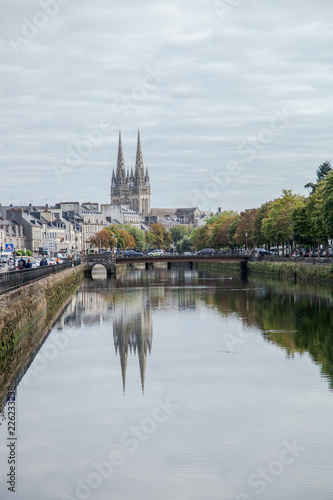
point(246, 240)
point(114, 246)
point(99, 239)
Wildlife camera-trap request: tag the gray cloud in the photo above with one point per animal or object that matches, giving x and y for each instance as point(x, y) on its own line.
point(222, 80)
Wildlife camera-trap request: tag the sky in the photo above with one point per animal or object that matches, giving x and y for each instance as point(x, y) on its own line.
point(233, 98)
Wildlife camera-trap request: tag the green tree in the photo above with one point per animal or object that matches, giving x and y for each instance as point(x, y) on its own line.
point(138, 235)
point(210, 234)
point(277, 227)
point(327, 205)
point(149, 239)
point(311, 222)
point(178, 232)
point(232, 231)
point(322, 171)
point(303, 229)
point(184, 245)
point(203, 236)
point(259, 238)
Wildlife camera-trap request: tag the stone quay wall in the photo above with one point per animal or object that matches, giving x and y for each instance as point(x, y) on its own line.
point(20, 308)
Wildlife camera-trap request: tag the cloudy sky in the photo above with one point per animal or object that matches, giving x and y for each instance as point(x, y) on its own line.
point(233, 98)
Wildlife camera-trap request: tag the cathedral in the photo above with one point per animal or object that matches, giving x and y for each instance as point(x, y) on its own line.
point(131, 188)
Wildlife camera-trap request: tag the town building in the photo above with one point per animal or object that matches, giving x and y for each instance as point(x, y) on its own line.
point(12, 233)
point(191, 216)
point(121, 214)
point(32, 229)
point(93, 220)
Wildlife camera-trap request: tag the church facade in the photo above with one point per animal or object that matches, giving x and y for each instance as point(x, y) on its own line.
point(128, 187)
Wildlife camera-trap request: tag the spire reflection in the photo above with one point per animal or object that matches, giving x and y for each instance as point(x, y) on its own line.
point(133, 332)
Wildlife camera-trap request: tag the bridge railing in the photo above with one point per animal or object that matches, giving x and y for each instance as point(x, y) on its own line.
point(15, 279)
point(167, 257)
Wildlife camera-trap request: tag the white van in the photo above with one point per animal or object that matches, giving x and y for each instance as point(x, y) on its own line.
point(4, 260)
point(5, 256)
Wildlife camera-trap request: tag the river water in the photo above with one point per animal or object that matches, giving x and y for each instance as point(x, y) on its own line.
point(180, 384)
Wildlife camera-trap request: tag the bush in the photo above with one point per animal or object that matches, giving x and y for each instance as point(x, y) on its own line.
point(306, 272)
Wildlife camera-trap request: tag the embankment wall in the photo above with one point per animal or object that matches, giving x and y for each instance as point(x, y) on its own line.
point(21, 308)
point(296, 271)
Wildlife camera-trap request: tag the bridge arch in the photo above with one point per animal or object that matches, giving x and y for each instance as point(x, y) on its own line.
point(107, 260)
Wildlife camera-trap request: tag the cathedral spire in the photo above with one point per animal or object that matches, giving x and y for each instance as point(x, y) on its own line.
point(139, 169)
point(120, 160)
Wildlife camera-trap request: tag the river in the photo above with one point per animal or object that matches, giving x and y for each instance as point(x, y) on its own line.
point(178, 385)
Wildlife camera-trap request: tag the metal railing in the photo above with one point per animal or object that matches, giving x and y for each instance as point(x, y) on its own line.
point(15, 279)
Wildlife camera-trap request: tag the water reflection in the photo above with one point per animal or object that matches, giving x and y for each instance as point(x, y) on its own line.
point(163, 332)
point(133, 330)
point(297, 318)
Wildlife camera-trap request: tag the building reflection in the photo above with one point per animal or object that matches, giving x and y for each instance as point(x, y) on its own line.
point(87, 307)
point(128, 302)
point(133, 333)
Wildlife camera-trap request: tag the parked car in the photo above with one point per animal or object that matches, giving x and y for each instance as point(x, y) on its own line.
point(4, 260)
point(132, 253)
point(207, 251)
point(156, 253)
point(262, 252)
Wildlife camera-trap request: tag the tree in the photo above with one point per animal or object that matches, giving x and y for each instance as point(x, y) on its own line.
point(161, 237)
point(313, 221)
point(277, 227)
point(125, 240)
point(217, 222)
point(322, 171)
point(203, 236)
point(185, 244)
point(232, 230)
point(210, 235)
point(303, 229)
point(310, 221)
point(259, 238)
point(327, 206)
point(223, 239)
point(138, 235)
point(102, 239)
point(178, 232)
point(244, 230)
point(113, 236)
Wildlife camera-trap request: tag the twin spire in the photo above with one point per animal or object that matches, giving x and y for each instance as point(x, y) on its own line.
point(121, 177)
point(120, 161)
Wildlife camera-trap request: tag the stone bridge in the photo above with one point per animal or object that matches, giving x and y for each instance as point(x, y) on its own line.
point(107, 259)
point(110, 261)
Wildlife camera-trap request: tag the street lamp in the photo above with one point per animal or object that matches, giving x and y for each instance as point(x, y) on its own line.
point(246, 240)
point(99, 239)
point(114, 246)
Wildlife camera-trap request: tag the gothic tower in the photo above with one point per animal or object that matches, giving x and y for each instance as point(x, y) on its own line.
point(131, 188)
